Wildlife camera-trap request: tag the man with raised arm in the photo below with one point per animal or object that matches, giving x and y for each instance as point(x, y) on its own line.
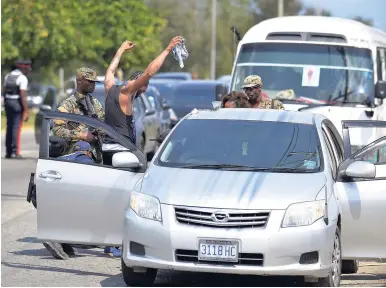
point(120, 98)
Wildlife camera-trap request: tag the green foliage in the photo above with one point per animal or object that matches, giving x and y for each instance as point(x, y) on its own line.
point(71, 34)
point(53, 33)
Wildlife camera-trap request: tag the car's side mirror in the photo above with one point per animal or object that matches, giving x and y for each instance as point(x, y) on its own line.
point(45, 107)
point(162, 136)
point(360, 169)
point(380, 89)
point(69, 91)
point(149, 112)
point(125, 160)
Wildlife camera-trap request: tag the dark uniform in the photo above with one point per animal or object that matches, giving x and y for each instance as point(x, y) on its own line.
point(13, 83)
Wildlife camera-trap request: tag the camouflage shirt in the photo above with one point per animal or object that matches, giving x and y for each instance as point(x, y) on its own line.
point(72, 131)
point(267, 104)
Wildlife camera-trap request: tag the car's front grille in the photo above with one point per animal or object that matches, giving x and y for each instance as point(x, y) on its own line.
point(233, 219)
point(191, 256)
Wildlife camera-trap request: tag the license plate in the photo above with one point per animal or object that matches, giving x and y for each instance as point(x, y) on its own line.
point(218, 250)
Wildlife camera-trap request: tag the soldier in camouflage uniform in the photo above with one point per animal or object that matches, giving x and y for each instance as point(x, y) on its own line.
point(252, 87)
point(84, 104)
point(78, 104)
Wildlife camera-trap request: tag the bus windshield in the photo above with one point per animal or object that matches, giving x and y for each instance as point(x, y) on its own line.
point(308, 72)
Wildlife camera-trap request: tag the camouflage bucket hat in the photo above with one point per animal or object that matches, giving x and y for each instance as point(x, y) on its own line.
point(87, 74)
point(252, 80)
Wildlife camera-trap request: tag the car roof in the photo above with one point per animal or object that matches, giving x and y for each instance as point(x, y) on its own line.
point(258, 115)
point(173, 73)
point(199, 82)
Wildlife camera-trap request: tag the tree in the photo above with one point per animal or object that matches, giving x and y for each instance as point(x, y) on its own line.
point(54, 33)
point(368, 22)
point(268, 9)
point(310, 11)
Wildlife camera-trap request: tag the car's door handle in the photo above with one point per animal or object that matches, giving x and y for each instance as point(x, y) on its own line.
point(50, 175)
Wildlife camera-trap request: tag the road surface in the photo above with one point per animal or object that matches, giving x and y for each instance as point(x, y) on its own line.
point(25, 262)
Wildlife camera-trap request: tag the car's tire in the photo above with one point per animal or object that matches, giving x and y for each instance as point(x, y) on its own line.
point(132, 278)
point(333, 279)
point(350, 266)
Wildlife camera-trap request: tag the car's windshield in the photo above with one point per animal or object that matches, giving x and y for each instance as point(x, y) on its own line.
point(252, 144)
point(315, 73)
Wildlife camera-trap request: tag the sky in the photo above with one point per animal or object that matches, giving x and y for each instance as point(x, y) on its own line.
point(374, 9)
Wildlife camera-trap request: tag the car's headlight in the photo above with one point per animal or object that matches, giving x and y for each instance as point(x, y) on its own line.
point(303, 214)
point(146, 206)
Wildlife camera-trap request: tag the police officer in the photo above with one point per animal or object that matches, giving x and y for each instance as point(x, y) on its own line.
point(75, 133)
point(252, 87)
point(15, 104)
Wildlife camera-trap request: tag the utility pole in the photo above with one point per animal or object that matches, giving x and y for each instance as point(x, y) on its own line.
point(213, 51)
point(280, 8)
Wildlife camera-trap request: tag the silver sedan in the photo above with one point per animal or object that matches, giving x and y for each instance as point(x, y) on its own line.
point(239, 191)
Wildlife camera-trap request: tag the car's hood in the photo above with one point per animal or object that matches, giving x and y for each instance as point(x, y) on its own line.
point(230, 189)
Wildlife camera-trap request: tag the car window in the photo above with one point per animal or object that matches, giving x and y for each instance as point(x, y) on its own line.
point(99, 93)
point(194, 96)
point(50, 97)
point(146, 103)
point(377, 156)
point(139, 107)
point(152, 97)
point(256, 144)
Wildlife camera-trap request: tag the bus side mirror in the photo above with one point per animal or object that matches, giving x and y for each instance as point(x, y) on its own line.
point(380, 89)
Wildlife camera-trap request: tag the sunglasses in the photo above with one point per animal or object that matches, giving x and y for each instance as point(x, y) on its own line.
point(252, 88)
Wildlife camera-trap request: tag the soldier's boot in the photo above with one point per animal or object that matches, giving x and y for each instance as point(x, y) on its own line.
point(56, 250)
point(68, 249)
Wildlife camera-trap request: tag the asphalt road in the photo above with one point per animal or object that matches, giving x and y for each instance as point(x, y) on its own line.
point(25, 261)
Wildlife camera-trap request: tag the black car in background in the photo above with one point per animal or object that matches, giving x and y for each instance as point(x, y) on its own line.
point(198, 94)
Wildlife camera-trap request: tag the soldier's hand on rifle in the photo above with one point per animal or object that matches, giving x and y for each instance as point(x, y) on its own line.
point(127, 46)
point(87, 136)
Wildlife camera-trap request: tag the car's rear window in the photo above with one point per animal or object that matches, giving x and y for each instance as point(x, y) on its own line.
point(257, 144)
point(194, 96)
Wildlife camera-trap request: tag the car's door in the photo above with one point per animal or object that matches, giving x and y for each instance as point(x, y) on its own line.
point(84, 203)
point(361, 189)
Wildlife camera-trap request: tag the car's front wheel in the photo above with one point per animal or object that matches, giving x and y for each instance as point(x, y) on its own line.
point(132, 278)
point(333, 278)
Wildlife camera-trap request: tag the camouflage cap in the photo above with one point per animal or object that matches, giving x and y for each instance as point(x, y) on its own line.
point(86, 73)
point(252, 80)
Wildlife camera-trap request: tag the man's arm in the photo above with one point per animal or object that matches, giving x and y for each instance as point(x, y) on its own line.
point(154, 66)
point(110, 72)
point(62, 129)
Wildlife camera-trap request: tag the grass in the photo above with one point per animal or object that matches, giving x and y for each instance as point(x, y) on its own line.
point(29, 124)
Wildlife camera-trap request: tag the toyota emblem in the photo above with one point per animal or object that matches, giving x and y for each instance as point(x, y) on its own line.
point(220, 217)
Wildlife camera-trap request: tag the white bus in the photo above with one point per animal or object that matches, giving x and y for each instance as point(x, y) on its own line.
point(326, 65)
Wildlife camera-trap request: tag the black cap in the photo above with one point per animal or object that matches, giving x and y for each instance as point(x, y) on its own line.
point(23, 62)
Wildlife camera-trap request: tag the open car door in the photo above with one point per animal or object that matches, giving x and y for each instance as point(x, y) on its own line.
point(361, 190)
point(84, 203)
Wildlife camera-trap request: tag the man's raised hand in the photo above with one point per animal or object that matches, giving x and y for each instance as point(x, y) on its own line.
point(127, 45)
